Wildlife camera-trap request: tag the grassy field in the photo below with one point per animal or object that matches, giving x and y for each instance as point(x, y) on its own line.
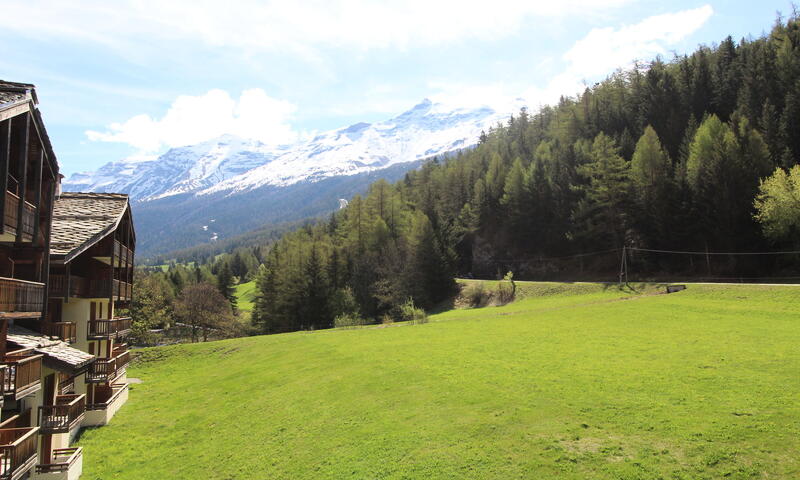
point(572, 382)
point(245, 296)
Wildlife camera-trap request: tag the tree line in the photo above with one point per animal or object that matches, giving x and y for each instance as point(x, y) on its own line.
point(666, 155)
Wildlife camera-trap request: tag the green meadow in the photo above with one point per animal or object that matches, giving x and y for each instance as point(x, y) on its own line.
point(245, 296)
point(572, 381)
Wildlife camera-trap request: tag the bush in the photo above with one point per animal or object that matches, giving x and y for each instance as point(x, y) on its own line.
point(412, 314)
point(506, 289)
point(349, 320)
point(476, 294)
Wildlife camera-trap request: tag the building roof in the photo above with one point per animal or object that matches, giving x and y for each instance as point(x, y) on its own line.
point(58, 354)
point(13, 92)
point(82, 219)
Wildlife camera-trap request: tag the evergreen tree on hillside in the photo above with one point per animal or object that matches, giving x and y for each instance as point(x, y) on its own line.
point(602, 212)
point(651, 174)
point(225, 285)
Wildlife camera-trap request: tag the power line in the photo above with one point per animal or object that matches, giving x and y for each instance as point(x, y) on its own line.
point(680, 252)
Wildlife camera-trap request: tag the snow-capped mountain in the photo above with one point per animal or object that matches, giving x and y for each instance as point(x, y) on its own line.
point(230, 164)
point(180, 170)
point(228, 186)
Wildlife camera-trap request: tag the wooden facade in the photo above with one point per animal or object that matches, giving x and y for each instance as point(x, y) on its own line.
point(66, 275)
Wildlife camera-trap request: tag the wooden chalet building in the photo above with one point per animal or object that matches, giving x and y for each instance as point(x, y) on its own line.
point(91, 273)
point(66, 266)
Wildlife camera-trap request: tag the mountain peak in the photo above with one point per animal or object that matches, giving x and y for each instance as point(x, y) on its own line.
point(232, 164)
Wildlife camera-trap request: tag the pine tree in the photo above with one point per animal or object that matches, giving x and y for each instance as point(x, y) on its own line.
point(225, 285)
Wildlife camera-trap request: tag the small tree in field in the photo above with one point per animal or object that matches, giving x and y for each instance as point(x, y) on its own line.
point(204, 308)
point(778, 205)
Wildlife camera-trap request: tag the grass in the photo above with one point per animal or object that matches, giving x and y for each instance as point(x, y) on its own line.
point(571, 382)
point(245, 296)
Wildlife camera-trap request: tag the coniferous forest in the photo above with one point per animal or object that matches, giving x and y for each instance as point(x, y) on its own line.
point(664, 156)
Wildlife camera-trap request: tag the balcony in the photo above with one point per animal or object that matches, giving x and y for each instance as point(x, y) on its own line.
point(105, 370)
point(62, 417)
point(11, 217)
point(123, 355)
point(23, 373)
point(107, 401)
point(103, 329)
point(21, 298)
point(122, 290)
point(17, 451)
point(66, 331)
point(117, 289)
point(64, 460)
point(122, 254)
point(78, 286)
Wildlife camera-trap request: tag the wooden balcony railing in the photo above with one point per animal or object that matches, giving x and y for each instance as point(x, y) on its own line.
point(63, 459)
point(105, 370)
point(11, 214)
point(104, 328)
point(11, 217)
point(103, 288)
point(122, 290)
point(21, 296)
point(17, 451)
point(78, 286)
point(123, 356)
point(23, 374)
point(105, 396)
point(67, 412)
point(66, 386)
point(67, 331)
point(123, 254)
point(3, 373)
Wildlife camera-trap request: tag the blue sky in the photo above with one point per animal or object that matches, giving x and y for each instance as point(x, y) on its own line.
point(131, 78)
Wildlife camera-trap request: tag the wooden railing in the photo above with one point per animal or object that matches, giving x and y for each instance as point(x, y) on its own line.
point(123, 254)
point(63, 459)
point(65, 414)
point(105, 328)
point(78, 286)
point(28, 221)
point(123, 356)
point(122, 290)
point(17, 451)
point(107, 369)
point(3, 372)
point(20, 295)
point(66, 331)
point(102, 370)
point(24, 372)
point(66, 386)
point(11, 213)
point(11, 217)
point(104, 397)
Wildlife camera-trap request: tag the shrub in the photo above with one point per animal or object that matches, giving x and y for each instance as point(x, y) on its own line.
point(476, 294)
point(412, 314)
point(349, 320)
point(506, 289)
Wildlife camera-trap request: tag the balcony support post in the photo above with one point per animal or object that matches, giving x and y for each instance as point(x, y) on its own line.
point(68, 283)
point(23, 174)
point(5, 155)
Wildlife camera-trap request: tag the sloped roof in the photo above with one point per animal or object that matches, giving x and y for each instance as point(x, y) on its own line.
point(13, 92)
point(58, 354)
point(81, 219)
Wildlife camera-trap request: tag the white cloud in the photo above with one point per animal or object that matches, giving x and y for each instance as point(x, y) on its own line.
point(193, 119)
point(590, 59)
point(300, 26)
point(604, 50)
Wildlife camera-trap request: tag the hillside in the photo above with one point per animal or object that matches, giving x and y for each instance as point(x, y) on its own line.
point(575, 381)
